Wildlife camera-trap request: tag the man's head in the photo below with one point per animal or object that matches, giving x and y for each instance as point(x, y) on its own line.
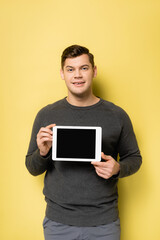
point(75, 51)
point(78, 71)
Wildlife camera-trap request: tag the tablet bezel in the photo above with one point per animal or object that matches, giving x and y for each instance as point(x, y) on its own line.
point(98, 144)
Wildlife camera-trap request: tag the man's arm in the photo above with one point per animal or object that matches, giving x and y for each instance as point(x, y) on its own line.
point(38, 157)
point(129, 153)
point(130, 158)
point(37, 164)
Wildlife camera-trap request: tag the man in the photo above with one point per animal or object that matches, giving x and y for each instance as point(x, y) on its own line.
point(82, 198)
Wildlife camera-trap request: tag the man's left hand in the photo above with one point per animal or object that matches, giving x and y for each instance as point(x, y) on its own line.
point(108, 168)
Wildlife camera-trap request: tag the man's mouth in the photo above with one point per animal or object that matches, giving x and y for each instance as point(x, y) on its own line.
point(78, 83)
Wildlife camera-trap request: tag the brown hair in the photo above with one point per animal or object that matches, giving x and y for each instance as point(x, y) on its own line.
point(75, 51)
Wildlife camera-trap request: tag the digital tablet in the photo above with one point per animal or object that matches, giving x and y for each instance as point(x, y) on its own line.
point(72, 143)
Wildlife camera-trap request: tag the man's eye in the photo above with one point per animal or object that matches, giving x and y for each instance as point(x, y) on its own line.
point(70, 70)
point(84, 68)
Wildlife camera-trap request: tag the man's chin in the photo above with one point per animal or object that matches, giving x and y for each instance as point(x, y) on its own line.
point(80, 94)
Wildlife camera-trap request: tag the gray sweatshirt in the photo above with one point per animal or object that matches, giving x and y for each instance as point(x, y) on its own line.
point(74, 193)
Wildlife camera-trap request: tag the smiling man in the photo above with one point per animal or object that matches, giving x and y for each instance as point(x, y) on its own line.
point(82, 198)
point(78, 74)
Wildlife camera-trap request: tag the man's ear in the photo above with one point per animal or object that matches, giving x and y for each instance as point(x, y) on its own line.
point(62, 73)
point(95, 71)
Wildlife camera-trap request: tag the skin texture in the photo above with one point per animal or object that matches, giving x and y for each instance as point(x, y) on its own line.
point(78, 75)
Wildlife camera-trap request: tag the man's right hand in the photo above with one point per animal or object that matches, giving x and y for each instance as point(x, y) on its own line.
point(44, 139)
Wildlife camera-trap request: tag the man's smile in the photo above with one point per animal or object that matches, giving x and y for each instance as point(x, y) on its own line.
point(78, 83)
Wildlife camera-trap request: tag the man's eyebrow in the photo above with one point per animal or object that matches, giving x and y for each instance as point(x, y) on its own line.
point(69, 67)
point(85, 65)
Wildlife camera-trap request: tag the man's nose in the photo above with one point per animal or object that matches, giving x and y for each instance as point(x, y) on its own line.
point(78, 73)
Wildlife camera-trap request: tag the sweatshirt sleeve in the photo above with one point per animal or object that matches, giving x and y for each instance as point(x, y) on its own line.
point(129, 153)
point(35, 163)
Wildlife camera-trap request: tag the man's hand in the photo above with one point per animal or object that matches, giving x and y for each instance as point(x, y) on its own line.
point(44, 139)
point(106, 169)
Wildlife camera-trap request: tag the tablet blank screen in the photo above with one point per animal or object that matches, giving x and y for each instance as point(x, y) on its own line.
point(76, 143)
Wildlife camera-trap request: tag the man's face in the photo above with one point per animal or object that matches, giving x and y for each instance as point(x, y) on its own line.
point(78, 74)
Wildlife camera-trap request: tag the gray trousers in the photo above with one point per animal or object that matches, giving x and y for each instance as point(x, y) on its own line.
point(58, 231)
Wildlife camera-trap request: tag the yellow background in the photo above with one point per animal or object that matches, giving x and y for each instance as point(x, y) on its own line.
point(124, 36)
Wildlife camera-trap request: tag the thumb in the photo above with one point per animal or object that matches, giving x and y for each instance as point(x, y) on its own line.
point(105, 157)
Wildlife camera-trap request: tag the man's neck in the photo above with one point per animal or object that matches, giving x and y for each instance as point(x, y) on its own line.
point(83, 101)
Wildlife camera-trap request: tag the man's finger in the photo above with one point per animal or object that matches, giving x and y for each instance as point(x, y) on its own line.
point(99, 164)
point(44, 134)
point(106, 157)
point(45, 139)
point(51, 125)
point(102, 164)
point(43, 131)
